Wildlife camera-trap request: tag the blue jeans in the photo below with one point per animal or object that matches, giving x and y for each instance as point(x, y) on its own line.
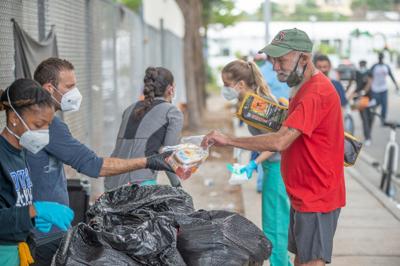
point(381, 99)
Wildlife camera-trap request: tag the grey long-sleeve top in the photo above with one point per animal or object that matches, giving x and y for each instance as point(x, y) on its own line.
point(160, 126)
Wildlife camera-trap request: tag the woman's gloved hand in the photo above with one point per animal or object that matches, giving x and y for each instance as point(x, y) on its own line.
point(157, 162)
point(54, 213)
point(249, 168)
point(42, 225)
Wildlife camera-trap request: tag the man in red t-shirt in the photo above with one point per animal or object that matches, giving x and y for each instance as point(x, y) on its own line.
point(312, 144)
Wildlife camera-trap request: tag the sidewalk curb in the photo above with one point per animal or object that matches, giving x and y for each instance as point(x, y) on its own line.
point(370, 160)
point(388, 203)
point(367, 158)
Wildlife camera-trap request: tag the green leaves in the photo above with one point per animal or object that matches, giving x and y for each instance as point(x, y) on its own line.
point(131, 4)
point(220, 12)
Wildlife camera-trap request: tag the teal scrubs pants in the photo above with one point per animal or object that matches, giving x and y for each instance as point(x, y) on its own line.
point(9, 255)
point(275, 213)
point(149, 183)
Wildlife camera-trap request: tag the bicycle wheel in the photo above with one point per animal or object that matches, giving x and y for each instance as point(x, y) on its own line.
point(349, 124)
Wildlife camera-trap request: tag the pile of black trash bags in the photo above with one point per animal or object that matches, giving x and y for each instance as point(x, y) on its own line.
point(157, 225)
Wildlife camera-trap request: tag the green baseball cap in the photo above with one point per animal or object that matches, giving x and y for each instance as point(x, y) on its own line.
point(286, 41)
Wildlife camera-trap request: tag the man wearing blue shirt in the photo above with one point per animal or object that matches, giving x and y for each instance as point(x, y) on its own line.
point(323, 64)
point(47, 166)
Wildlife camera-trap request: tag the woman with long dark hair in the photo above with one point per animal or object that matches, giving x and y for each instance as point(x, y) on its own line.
point(148, 125)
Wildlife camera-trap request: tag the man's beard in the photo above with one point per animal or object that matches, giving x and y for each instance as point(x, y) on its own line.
point(283, 75)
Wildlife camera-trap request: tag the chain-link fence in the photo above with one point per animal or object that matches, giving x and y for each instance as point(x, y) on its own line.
point(110, 47)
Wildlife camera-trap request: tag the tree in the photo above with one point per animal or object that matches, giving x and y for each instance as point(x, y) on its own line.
point(193, 58)
point(131, 4)
point(276, 12)
point(198, 15)
point(382, 5)
point(215, 12)
point(219, 12)
point(303, 13)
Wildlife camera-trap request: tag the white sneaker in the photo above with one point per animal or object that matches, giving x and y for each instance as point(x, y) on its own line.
point(367, 143)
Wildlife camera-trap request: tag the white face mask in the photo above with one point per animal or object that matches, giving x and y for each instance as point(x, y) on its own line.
point(32, 140)
point(70, 101)
point(229, 93)
point(174, 96)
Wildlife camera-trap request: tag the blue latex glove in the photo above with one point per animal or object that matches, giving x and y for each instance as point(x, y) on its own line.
point(249, 168)
point(42, 225)
point(231, 168)
point(54, 213)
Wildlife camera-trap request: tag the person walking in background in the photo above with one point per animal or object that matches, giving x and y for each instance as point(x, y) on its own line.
point(323, 64)
point(363, 89)
point(240, 78)
point(148, 125)
point(379, 86)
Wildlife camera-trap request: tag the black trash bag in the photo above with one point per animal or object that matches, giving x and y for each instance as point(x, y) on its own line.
point(147, 238)
point(111, 238)
point(131, 220)
point(222, 238)
point(352, 148)
point(130, 199)
point(84, 246)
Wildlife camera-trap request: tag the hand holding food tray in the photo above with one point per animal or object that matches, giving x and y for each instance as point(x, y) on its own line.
point(263, 114)
point(187, 156)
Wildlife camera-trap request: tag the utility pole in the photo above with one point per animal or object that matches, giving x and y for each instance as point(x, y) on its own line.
point(267, 18)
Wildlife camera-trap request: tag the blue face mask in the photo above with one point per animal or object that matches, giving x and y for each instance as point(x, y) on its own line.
point(229, 93)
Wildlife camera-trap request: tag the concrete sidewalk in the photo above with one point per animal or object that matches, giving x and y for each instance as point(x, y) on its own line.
point(368, 232)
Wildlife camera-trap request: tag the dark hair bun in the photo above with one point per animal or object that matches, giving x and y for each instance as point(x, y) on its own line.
point(151, 74)
point(150, 82)
point(156, 81)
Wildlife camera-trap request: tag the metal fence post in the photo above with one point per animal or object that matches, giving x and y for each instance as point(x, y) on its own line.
point(41, 19)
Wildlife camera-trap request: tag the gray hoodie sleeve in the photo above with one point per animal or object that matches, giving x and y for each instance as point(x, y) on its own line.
point(175, 125)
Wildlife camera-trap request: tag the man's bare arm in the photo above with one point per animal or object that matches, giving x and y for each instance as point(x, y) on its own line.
point(273, 142)
point(116, 166)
